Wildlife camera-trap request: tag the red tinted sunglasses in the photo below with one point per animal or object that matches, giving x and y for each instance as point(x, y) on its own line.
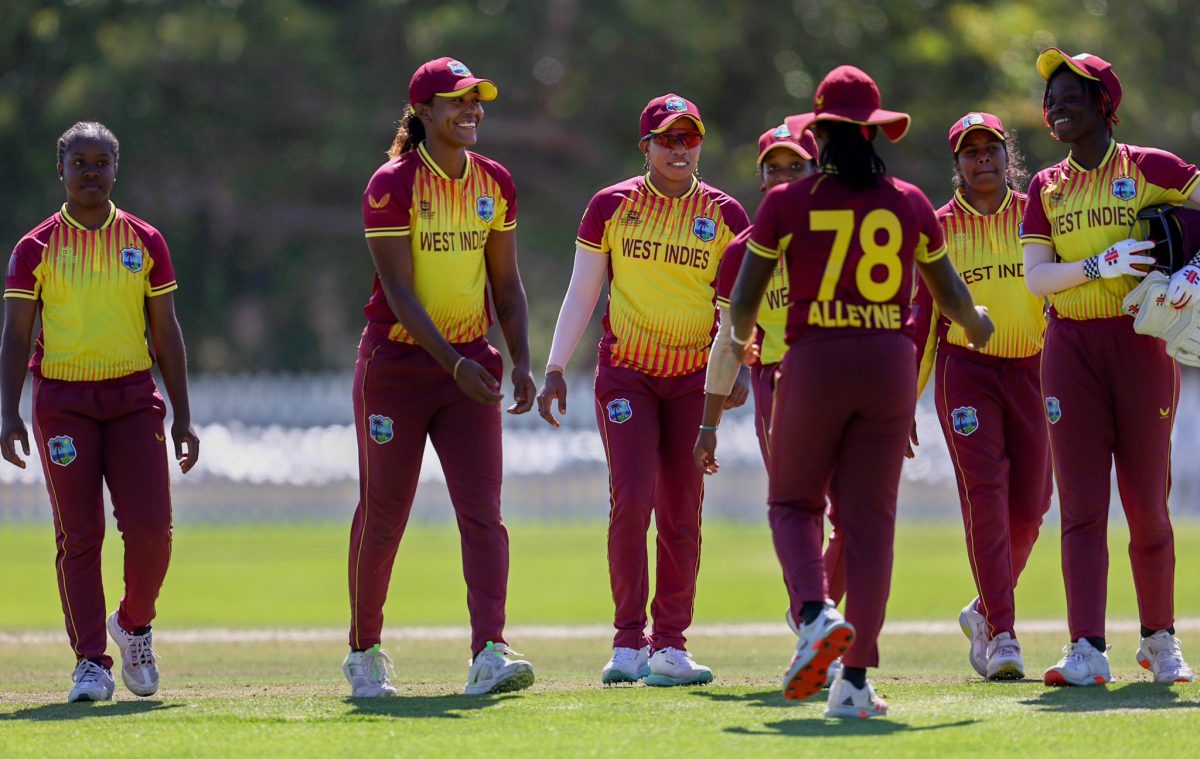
point(668, 140)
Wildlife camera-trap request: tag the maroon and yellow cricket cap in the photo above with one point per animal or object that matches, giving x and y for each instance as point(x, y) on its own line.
point(781, 137)
point(662, 112)
point(971, 122)
point(848, 94)
point(1085, 65)
point(448, 78)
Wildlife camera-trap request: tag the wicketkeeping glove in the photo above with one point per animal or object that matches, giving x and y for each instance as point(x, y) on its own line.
point(1148, 305)
point(1120, 260)
point(1185, 284)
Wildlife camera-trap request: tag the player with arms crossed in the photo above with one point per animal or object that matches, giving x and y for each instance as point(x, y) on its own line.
point(439, 224)
point(782, 158)
point(1110, 393)
point(989, 401)
point(100, 276)
point(848, 385)
point(658, 238)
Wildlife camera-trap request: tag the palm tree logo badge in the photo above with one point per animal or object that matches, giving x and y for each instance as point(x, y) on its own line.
point(62, 449)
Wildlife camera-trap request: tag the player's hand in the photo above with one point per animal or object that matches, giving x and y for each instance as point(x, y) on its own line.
point(750, 351)
point(1184, 286)
point(980, 331)
point(187, 444)
point(909, 452)
point(1123, 258)
point(477, 383)
point(705, 452)
point(524, 388)
point(741, 389)
point(12, 431)
point(553, 388)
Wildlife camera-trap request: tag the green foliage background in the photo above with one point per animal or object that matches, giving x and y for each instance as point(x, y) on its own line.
point(249, 128)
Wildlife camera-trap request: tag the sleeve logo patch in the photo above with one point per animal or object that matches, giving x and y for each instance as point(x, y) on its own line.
point(1124, 188)
point(458, 68)
point(619, 411)
point(704, 228)
point(1053, 409)
point(675, 105)
point(380, 428)
point(964, 420)
point(485, 206)
point(132, 259)
point(377, 204)
point(62, 450)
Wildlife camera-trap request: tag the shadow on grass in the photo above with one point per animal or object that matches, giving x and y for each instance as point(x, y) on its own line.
point(86, 710)
point(1104, 698)
point(769, 698)
point(827, 728)
point(423, 707)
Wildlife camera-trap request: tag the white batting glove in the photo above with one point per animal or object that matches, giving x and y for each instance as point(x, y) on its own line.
point(1120, 260)
point(1185, 286)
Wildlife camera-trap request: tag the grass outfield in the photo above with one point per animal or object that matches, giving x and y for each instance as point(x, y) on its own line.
point(288, 698)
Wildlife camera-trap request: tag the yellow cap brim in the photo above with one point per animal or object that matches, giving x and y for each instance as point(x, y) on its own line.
point(972, 128)
point(671, 123)
point(786, 145)
point(487, 90)
point(1049, 61)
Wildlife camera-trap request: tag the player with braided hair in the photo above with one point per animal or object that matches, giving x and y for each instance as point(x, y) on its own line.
point(1110, 393)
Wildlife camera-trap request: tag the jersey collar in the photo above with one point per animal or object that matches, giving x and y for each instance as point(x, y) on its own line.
point(112, 216)
point(655, 191)
point(1108, 154)
point(961, 203)
point(437, 170)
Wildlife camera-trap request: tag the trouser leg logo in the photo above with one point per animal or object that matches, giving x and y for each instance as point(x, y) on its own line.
point(619, 411)
point(380, 428)
point(964, 420)
point(1053, 409)
point(62, 449)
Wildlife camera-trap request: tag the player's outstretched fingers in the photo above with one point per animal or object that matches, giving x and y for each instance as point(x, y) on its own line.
point(524, 391)
point(554, 388)
point(8, 444)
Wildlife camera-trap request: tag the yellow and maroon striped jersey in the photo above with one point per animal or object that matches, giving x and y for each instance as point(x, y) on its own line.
point(1080, 212)
point(986, 250)
point(849, 253)
point(93, 285)
point(448, 221)
point(663, 258)
point(772, 313)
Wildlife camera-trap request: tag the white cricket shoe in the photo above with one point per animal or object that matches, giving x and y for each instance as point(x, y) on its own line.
point(1160, 653)
point(627, 665)
point(139, 665)
point(854, 703)
point(1004, 658)
point(1081, 665)
point(92, 683)
point(367, 672)
point(974, 626)
point(824, 639)
point(493, 672)
point(835, 666)
point(674, 666)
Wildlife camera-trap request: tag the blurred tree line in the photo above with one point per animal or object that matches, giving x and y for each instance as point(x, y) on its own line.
point(249, 129)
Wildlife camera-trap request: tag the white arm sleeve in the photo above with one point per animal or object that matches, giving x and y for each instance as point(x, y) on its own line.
point(723, 362)
point(587, 280)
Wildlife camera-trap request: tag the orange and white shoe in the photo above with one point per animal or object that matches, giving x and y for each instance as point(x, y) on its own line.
point(1160, 653)
point(1081, 665)
point(854, 703)
point(821, 642)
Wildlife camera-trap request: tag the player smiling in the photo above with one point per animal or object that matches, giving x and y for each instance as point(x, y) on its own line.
point(1110, 393)
point(658, 238)
point(100, 276)
point(439, 224)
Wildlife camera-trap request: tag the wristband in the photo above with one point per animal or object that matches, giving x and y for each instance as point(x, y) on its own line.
point(733, 336)
point(456, 365)
point(709, 427)
point(1091, 267)
point(554, 368)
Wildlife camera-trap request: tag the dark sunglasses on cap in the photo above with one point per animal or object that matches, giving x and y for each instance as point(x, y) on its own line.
point(668, 140)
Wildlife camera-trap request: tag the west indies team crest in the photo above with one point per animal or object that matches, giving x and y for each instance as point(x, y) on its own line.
point(1053, 409)
point(704, 228)
point(62, 450)
point(380, 428)
point(458, 68)
point(675, 105)
point(619, 411)
point(132, 259)
point(964, 420)
point(1124, 188)
point(781, 132)
point(485, 206)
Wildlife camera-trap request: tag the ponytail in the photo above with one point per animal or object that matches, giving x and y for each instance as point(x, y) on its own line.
point(850, 156)
point(409, 134)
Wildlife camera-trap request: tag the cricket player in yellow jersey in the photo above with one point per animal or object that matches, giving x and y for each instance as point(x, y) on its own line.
point(439, 222)
point(989, 401)
point(1110, 393)
point(658, 238)
point(100, 277)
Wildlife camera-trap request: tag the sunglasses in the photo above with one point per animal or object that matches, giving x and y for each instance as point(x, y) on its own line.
point(689, 140)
